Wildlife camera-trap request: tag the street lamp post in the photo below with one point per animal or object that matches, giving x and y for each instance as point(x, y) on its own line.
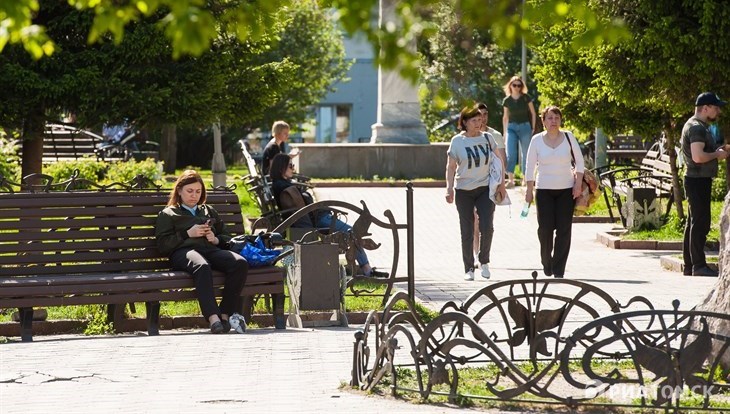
point(524, 51)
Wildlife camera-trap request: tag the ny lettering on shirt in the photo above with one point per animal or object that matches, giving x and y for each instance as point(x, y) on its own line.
point(474, 153)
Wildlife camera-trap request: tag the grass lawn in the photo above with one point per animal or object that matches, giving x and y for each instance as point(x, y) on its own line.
point(674, 229)
point(474, 394)
point(190, 308)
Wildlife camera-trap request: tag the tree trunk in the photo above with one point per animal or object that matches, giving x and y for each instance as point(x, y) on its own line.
point(676, 187)
point(33, 145)
point(168, 147)
point(717, 300)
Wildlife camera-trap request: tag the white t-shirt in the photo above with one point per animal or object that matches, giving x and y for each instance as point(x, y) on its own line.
point(498, 139)
point(553, 166)
point(472, 158)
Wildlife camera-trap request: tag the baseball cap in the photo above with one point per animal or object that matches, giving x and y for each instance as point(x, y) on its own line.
point(709, 98)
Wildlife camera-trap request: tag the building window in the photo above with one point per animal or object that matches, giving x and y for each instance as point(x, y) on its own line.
point(329, 124)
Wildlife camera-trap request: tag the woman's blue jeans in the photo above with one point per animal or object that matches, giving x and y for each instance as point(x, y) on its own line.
point(325, 219)
point(517, 134)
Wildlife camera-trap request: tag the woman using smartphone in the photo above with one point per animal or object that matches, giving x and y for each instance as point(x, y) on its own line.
point(191, 233)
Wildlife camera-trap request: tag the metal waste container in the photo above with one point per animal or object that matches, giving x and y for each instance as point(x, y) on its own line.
point(642, 209)
point(316, 270)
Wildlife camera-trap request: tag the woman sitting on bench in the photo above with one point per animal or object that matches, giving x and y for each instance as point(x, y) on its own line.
point(290, 195)
point(191, 233)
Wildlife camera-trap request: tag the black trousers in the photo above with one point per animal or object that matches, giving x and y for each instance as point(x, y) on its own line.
point(201, 264)
point(554, 218)
point(698, 191)
point(466, 201)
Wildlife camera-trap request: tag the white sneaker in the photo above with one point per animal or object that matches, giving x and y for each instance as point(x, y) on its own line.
point(469, 275)
point(485, 271)
point(238, 323)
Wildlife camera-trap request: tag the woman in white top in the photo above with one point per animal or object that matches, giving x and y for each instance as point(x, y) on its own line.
point(467, 184)
point(552, 155)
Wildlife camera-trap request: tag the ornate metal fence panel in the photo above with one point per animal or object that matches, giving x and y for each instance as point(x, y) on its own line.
point(550, 341)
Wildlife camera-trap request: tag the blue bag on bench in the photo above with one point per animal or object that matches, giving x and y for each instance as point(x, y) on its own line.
point(255, 253)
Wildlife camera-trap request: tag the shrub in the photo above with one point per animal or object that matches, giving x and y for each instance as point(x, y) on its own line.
point(719, 183)
point(9, 160)
point(124, 172)
point(89, 168)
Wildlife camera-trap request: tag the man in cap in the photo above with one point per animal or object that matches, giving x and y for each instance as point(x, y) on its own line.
point(701, 155)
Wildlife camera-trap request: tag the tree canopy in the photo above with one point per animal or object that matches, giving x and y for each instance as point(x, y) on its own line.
point(192, 26)
point(238, 83)
point(647, 83)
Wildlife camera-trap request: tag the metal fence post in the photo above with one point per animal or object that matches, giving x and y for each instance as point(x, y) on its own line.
point(409, 236)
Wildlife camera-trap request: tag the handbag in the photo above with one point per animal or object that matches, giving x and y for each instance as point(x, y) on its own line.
point(590, 186)
point(255, 252)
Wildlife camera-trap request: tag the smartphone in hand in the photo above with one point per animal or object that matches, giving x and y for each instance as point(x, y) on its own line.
point(211, 221)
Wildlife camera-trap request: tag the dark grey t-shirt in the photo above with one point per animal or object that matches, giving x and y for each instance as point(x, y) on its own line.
point(695, 130)
point(519, 109)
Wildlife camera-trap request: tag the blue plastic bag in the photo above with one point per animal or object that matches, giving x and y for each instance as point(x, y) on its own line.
point(256, 254)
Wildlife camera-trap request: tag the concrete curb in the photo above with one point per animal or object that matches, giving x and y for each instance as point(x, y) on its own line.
point(57, 327)
point(379, 184)
point(675, 264)
point(613, 240)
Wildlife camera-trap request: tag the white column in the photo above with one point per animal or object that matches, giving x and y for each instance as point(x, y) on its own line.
point(399, 110)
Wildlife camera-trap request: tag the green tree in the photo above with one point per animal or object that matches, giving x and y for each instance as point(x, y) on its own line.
point(462, 65)
point(239, 84)
point(193, 25)
point(646, 84)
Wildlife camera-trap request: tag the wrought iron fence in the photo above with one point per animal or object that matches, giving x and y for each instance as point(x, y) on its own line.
point(550, 341)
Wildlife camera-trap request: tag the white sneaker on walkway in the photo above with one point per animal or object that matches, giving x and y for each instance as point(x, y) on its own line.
point(485, 271)
point(469, 275)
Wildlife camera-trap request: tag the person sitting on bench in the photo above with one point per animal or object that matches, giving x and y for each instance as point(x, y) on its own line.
point(288, 195)
point(192, 234)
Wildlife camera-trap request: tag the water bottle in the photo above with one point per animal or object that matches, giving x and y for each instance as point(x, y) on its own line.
point(525, 210)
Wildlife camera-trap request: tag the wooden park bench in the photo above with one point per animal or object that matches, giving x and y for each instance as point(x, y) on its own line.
point(67, 143)
point(654, 172)
point(625, 148)
point(259, 188)
point(83, 247)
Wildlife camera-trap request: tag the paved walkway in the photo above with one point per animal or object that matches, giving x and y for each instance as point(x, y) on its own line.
point(301, 370)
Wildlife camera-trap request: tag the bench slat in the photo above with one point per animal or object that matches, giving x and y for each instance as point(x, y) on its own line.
point(160, 296)
point(123, 283)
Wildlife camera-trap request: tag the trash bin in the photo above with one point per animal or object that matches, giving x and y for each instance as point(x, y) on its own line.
point(642, 209)
point(316, 271)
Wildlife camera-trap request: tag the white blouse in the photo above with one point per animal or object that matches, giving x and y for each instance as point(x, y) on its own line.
point(553, 166)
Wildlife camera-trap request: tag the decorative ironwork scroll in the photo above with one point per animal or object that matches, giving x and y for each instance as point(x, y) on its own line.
point(550, 341)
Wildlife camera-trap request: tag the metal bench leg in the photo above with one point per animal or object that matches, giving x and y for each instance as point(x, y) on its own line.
point(608, 205)
point(619, 206)
point(26, 324)
point(247, 304)
point(153, 318)
point(115, 315)
point(279, 319)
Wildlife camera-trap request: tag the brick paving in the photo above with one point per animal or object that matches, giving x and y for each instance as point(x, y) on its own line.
point(301, 370)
